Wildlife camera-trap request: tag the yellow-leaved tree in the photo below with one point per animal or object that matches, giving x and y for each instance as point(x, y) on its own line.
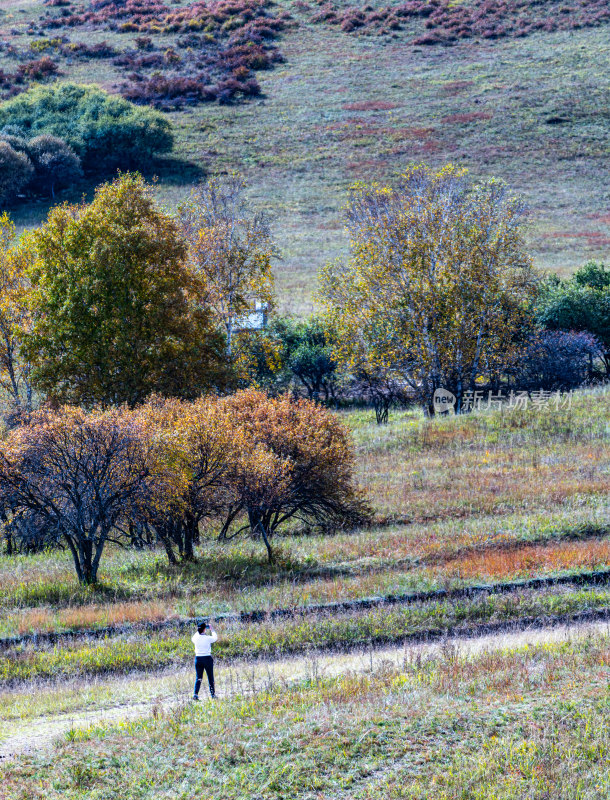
point(230, 251)
point(438, 287)
point(14, 317)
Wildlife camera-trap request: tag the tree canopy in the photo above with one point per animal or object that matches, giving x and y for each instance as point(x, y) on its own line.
point(14, 317)
point(106, 131)
point(246, 463)
point(113, 311)
point(438, 285)
point(76, 474)
point(581, 303)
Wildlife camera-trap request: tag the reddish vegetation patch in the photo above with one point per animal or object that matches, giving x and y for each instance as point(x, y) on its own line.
point(151, 16)
point(472, 116)
point(413, 133)
point(226, 40)
point(36, 70)
point(359, 166)
point(455, 87)
point(603, 218)
point(443, 22)
point(525, 560)
point(594, 238)
point(369, 105)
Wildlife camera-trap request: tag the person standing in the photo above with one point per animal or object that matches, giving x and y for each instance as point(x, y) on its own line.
point(203, 640)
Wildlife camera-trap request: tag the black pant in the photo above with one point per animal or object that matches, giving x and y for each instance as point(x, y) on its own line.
point(204, 663)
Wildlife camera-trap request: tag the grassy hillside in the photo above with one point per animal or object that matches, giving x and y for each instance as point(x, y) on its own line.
point(345, 105)
point(487, 498)
point(484, 499)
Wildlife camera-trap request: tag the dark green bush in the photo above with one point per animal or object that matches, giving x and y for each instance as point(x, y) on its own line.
point(105, 131)
point(16, 171)
point(56, 163)
point(581, 303)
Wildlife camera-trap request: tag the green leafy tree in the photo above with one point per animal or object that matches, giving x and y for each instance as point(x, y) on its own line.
point(311, 360)
point(112, 313)
point(105, 131)
point(581, 303)
point(16, 171)
point(289, 353)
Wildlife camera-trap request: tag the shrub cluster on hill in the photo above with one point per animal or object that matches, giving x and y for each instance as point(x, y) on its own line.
point(444, 22)
point(217, 46)
point(40, 164)
point(106, 132)
point(34, 70)
point(40, 61)
point(579, 307)
point(155, 17)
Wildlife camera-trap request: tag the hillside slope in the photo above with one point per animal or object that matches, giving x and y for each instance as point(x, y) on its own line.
point(532, 109)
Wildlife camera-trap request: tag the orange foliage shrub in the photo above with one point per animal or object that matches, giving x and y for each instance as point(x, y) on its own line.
point(247, 462)
point(295, 462)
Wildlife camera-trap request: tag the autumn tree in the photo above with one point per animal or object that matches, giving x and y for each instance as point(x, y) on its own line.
point(438, 286)
point(14, 317)
point(295, 462)
point(230, 250)
point(114, 316)
point(192, 446)
point(78, 475)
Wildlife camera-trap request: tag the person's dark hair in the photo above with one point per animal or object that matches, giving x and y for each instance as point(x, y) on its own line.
point(201, 625)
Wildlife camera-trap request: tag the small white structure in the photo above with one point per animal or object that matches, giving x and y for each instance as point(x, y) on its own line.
point(253, 321)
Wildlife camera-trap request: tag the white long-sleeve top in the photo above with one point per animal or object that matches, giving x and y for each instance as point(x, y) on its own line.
point(203, 643)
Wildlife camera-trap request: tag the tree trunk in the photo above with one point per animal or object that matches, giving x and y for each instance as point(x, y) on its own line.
point(270, 555)
point(187, 533)
point(256, 523)
point(227, 524)
point(75, 556)
point(88, 568)
point(171, 557)
point(382, 408)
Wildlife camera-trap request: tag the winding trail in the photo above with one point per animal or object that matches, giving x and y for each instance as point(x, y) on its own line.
point(38, 733)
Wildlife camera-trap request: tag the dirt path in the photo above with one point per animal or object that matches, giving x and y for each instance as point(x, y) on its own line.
point(166, 690)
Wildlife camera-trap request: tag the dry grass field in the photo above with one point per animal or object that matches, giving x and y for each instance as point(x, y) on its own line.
point(510, 724)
